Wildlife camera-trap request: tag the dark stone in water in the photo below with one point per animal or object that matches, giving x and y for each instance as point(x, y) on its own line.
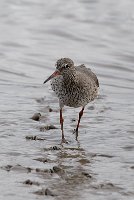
point(86, 174)
point(48, 127)
point(34, 138)
point(29, 169)
point(56, 148)
point(31, 137)
point(73, 120)
point(50, 109)
point(29, 182)
point(36, 117)
point(37, 170)
point(57, 169)
point(46, 191)
point(42, 170)
point(52, 148)
point(44, 160)
point(51, 171)
point(7, 168)
point(49, 192)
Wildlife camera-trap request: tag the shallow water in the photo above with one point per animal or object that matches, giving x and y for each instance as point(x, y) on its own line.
point(34, 34)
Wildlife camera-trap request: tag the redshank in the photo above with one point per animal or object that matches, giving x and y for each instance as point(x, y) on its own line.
point(75, 86)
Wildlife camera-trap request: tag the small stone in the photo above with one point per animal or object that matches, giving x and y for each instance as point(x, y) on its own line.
point(48, 192)
point(50, 109)
point(44, 160)
point(55, 148)
point(29, 169)
point(36, 117)
point(42, 170)
point(57, 169)
point(34, 138)
point(7, 168)
point(51, 171)
point(31, 137)
point(29, 182)
point(73, 120)
point(86, 174)
point(37, 170)
point(48, 127)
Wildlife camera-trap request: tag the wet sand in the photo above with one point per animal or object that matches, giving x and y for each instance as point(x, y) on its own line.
point(33, 164)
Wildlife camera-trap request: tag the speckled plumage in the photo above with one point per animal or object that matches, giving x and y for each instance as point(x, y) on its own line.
point(75, 86)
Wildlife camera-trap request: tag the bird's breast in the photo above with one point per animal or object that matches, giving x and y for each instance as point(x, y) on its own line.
point(73, 94)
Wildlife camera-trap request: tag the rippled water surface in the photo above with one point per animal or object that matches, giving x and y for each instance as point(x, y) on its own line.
point(33, 35)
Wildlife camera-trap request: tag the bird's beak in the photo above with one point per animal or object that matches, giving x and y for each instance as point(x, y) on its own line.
point(56, 73)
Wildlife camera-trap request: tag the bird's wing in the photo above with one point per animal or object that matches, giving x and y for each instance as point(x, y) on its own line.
point(82, 68)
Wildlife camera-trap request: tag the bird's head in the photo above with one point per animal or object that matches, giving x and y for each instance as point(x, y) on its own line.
point(63, 66)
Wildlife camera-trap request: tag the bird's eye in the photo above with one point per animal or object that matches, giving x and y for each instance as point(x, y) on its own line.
point(66, 65)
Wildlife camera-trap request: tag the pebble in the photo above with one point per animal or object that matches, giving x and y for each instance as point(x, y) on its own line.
point(29, 182)
point(44, 160)
point(46, 191)
point(86, 174)
point(34, 138)
point(36, 117)
point(48, 127)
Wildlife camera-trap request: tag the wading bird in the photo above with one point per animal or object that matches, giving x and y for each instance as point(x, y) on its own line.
point(75, 86)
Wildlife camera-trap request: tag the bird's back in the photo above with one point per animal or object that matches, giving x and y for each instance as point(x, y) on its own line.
point(82, 68)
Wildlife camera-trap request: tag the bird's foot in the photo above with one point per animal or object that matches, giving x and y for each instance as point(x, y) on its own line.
point(64, 141)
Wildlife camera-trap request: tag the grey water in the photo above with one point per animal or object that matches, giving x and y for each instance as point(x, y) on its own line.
point(33, 35)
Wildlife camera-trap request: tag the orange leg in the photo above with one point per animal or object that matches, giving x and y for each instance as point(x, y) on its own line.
point(80, 115)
